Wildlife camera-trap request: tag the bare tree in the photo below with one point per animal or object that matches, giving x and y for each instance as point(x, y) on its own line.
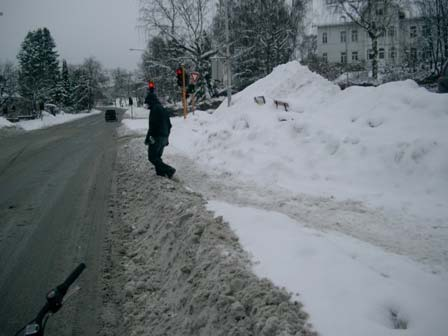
point(435, 30)
point(184, 26)
point(375, 17)
point(121, 79)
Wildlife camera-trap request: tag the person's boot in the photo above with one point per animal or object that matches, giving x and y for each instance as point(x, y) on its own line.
point(160, 173)
point(171, 172)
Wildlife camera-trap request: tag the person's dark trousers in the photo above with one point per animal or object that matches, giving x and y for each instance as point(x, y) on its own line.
point(155, 152)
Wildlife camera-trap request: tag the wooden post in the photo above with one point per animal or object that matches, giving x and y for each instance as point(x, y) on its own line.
point(193, 102)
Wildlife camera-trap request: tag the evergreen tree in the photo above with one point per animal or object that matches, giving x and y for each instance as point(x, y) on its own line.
point(38, 68)
point(65, 87)
point(79, 96)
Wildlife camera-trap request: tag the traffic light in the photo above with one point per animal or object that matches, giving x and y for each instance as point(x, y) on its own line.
point(151, 86)
point(179, 74)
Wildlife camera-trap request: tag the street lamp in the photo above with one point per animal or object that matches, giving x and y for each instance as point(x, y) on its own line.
point(136, 49)
point(343, 18)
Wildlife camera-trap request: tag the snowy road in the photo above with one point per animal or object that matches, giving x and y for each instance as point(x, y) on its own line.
point(54, 187)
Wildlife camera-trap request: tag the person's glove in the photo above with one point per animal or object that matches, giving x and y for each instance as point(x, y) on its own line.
point(149, 141)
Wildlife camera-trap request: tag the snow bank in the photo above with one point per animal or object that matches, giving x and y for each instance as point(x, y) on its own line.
point(138, 124)
point(137, 113)
point(348, 287)
point(330, 163)
point(184, 272)
point(5, 123)
point(385, 146)
point(49, 120)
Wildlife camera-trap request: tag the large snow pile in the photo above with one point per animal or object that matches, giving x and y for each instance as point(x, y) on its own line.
point(385, 146)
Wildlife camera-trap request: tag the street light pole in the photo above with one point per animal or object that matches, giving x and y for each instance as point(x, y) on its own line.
point(229, 70)
point(346, 48)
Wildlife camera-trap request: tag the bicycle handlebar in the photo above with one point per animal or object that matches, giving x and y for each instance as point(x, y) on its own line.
point(54, 303)
point(63, 287)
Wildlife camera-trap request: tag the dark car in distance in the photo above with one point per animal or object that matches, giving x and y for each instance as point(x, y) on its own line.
point(110, 115)
point(443, 79)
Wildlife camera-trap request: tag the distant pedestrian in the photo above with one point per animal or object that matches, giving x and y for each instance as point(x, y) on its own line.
point(158, 134)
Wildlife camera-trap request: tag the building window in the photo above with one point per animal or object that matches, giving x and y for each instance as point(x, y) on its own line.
point(370, 54)
point(354, 36)
point(426, 31)
point(381, 53)
point(413, 31)
point(324, 38)
point(392, 53)
point(380, 11)
point(392, 31)
point(343, 57)
point(325, 57)
point(354, 56)
point(343, 36)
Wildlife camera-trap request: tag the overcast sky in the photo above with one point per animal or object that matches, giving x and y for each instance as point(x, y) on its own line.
point(105, 29)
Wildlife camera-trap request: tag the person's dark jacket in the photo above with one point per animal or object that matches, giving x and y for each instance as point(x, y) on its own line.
point(159, 119)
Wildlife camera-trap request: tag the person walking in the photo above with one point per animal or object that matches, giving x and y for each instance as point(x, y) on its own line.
point(158, 134)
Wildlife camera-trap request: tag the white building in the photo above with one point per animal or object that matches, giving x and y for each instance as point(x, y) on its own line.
point(340, 40)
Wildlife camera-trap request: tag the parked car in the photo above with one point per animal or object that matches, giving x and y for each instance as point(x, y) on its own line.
point(443, 79)
point(110, 115)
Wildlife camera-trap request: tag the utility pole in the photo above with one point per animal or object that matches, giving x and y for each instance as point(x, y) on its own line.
point(229, 70)
point(346, 49)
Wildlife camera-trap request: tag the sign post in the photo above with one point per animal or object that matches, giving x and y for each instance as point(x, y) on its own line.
point(194, 76)
point(131, 102)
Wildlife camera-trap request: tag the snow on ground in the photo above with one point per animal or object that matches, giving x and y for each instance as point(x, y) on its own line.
point(367, 162)
point(51, 120)
point(383, 146)
point(47, 120)
point(177, 270)
point(348, 287)
point(137, 121)
point(5, 123)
